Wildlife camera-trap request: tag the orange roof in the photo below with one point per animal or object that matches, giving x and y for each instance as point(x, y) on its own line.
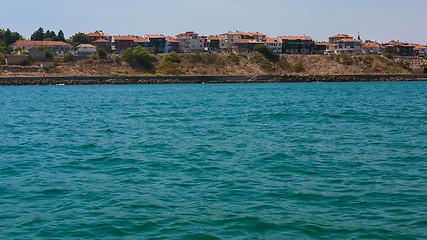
point(249, 41)
point(420, 47)
point(171, 39)
point(296, 38)
point(155, 36)
point(95, 34)
point(341, 36)
point(213, 37)
point(186, 34)
point(273, 40)
point(41, 43)
point(101, 40)
point(322, 43)
point(124, 38)
point(348, 40)
point(255, 34)
point(141, 39)
point(370, 44)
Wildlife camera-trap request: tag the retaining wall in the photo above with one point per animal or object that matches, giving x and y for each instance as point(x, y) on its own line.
point(14, 81)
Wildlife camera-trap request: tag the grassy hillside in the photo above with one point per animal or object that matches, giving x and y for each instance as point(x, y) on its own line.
point(228, 64)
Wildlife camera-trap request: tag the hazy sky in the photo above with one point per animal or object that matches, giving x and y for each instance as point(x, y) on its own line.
point(379, 20)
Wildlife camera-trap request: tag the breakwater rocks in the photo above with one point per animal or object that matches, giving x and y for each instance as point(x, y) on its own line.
point(78, 80)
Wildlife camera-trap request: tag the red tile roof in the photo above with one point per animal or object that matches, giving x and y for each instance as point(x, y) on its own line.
point(341, 36)
point(296, 38)
point(95, 34)
point(41, 43)
point(419, 47)
point(101, 40)
point(348, 40)
point(249, 41)
point(171, 39)
point(322, 43)
point(213, 37)
point(155, 36)
point(273, 40)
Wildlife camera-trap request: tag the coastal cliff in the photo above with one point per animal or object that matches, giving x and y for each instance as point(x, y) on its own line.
point(218, 64)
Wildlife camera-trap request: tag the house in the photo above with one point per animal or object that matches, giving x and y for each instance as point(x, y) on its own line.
point(227, 40)
point(172, 45)
point(245, 45)
point(15, 59)
point(190, 42)
point(339, 37)
point(212, 44)
point(399, 48)
point(85, 49)
point(102, 43)
point(420, 50)
point(157, 43)
point(344, 44)
point(98, 35)
point(275, 44)
point(36, 52)
point(320, 48)
point(297, 44)
point(372, 48)
point(58, 48)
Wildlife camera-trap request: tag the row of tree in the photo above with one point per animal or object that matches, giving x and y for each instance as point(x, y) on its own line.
point(40, 35)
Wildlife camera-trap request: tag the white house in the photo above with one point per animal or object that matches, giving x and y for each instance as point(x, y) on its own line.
point(85, 49)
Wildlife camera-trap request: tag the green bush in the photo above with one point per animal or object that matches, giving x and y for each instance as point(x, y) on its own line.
point(29, 60)
point(68, 57)
point(298, 67)
point(346, 59)
point(2, 60)
point(388, 55)
point(267, 52)
point(234, 58)
point(263, 62)
point(169, 68)
point(139, 56)
point(47, 51)
point(405, 65)
point(101, 53)
point(172, 57)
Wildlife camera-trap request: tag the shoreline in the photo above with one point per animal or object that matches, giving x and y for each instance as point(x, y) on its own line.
point(108, 80)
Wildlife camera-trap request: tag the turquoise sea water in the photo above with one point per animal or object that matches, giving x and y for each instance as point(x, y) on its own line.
point(214, 161)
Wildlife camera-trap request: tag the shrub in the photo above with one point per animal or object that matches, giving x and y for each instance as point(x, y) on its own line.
point(2, 60)
point(388, 55)
point(172, 57)
point(68, 57)
point(405, 65)
point(29, 60)
point(298, 67)
point(267, 52)
point(263, 62)
point(234, 58)
point(101, 53)
point(47, 51)
point(169, 68)
point(139, 56)
point(346, 60)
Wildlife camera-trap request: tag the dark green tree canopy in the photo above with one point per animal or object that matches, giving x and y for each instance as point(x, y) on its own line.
point(7, 38)
point(79, 38)
point(38, 35)
point(139, 56)
point(267, 52)
point(172, 57)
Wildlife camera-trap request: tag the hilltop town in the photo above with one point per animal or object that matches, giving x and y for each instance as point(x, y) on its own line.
point(348, 54)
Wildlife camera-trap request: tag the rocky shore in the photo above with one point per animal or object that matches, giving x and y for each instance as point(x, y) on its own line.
point(103, 80)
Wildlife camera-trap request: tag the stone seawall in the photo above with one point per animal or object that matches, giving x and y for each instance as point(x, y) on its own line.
point(16, 81)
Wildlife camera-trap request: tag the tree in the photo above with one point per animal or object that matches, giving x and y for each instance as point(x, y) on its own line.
point(61, 36)
point(2, 60)
point(139, 56)
point(47, 51)
point(267, 52)
point(29, 60)
point(68, 57)
point(172, 57)
point(101, 53)
point(298, 67)
point(79, 38)
point(38, 35)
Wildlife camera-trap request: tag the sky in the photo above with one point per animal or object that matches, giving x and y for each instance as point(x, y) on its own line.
point(379, 20)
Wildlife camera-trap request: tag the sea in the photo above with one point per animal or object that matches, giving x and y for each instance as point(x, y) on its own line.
point(214, 161)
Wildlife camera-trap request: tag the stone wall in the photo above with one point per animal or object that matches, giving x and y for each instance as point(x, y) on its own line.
point(15, 81)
